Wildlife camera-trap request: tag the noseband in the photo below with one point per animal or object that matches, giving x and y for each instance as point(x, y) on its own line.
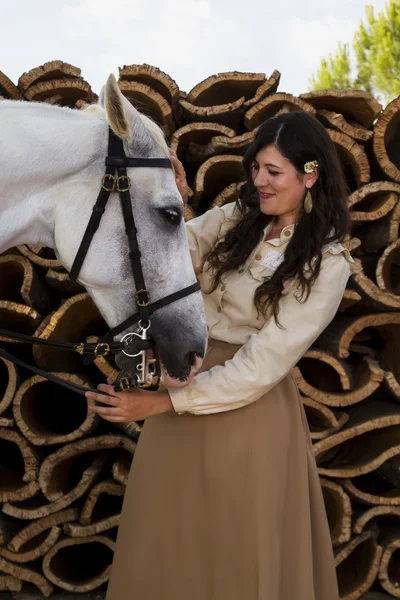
point(138, 344)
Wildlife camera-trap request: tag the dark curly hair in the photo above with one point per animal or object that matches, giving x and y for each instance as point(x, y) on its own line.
point(300, 138)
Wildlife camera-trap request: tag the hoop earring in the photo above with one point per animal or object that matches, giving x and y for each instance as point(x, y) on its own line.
point(308, 203)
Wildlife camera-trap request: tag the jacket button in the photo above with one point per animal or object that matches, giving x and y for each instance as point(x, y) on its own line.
point(258, 257)
point(287, 233)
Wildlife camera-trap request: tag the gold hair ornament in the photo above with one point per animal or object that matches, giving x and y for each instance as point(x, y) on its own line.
point(310, 166)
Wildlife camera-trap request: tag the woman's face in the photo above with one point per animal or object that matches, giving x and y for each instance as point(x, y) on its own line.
point(281, 190)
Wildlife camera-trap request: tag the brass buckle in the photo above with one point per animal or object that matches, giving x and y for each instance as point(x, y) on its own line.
point(140, 302)
point(123, 178)
point(102, 349)
point(80, 349)
point(108, 177)
point(124, 384)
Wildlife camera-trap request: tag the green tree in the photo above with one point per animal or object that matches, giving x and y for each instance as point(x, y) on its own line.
point(375, 64)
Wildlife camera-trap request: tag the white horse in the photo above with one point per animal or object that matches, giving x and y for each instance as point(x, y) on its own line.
point(51, 167)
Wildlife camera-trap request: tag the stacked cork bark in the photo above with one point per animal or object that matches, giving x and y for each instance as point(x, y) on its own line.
point(63, 472)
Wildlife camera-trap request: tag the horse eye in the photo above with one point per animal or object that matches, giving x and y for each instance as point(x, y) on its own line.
point(174, 215)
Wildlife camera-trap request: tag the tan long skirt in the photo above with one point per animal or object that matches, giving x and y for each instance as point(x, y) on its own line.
point(225, 506)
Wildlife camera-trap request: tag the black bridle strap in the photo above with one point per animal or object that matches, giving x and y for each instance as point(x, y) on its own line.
point(126, 161)
point(81, 348)
point(152, 308)
point(134, 252)
point(72, 387)
point(195, 287)
point(116, 158)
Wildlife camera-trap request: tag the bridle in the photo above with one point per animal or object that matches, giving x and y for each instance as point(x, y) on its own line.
point(137, 344)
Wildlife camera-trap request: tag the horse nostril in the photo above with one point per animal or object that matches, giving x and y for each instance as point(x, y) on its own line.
point(191, 357)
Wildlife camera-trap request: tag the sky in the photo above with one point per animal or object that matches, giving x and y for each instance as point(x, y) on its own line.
point(188, 39)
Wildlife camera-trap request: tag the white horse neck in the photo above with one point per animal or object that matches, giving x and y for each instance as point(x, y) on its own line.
point(43, 149)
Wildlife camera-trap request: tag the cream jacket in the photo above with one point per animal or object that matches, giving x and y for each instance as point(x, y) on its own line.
point(268, 353)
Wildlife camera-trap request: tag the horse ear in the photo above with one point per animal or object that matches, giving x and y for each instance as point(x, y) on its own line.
point(123, 118)
point(101, 100)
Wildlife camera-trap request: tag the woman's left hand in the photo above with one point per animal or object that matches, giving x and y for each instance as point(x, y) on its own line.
point(125, 407)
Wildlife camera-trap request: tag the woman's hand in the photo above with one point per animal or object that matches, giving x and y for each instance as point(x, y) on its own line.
point(125, 407)
point(180, 176)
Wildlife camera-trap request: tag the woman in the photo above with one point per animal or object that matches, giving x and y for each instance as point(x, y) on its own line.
point(224, 503)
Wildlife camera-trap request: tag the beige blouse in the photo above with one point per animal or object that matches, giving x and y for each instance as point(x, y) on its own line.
point(268, 352)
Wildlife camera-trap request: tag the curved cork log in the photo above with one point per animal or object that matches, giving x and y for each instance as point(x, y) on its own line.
point(389, 573)
point(71, 90)
point(373, 297)
point(55, 69)
point(62, 470)
point(79, 564)
point(370, 437)
point(353, 159)
point(20, 283)
point(7, 88)
point(121, 467)
point(19, 467)
point(188, 213)
point(27, 574)
point(270, 86)
point(356, 105)
point(56, 99)
point(153, 77)
point(386, 140)
point(332, 382)
point(38, 547)
point(380, 330)
point(19, 318)
point(220, 145)
point(9, 381)
point(84, 474)
point(271, 105)
point(357, 565)
point(215, 175)
point(373, 201)
point(74, 321)
point(9, 583)
point(388, 269)
point(22, 540)
point(228, 195)
point(350, 297)
point(372, 490)
point(150, 103)
point(48, 414)
point(41, 256)
point(200, 134)
point(378, 234)
point(101, 511)
point(94, 505)
point(8, 529)
point(371, 328)
point(383, 516)
point(329, 118)
point(60, 281)
point(229, 114)
point(225, 88)
point(339, 511)
point(322, 421)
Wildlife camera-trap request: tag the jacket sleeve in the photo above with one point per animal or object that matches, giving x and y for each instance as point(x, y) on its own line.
point(269, 355)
